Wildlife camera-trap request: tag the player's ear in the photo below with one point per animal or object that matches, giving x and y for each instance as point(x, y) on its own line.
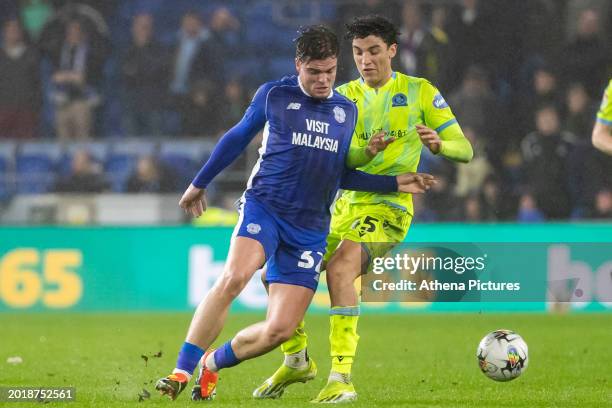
point(298, 64)
point(392, 50)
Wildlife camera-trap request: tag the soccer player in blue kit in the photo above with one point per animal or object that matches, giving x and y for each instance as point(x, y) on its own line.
point(285, 210)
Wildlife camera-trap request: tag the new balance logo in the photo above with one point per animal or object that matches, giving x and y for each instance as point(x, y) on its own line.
point(294, 106)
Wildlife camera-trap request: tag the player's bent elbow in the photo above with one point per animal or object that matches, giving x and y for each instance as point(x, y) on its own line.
point(468, 153)
point(469, 156)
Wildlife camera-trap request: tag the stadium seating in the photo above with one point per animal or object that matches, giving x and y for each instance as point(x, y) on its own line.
point(122, 158)
point(35, 166)
point(7, 164)
point(184, 158)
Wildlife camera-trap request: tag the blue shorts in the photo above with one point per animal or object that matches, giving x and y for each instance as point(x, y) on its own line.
point(293, 254)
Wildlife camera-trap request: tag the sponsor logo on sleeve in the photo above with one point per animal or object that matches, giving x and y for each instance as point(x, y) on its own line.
point(439, 102)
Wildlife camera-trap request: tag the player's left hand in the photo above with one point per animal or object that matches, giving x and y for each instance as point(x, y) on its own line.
point(378, 143)
point(415, 183)
point(429, 138)
point(193, 201)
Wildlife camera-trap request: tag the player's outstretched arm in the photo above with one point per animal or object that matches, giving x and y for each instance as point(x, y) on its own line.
point(231, 144)
point(404, 183)
point(602, 137)
point(360, 156)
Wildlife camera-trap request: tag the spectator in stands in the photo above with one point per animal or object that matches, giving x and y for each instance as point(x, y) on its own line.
point(603, 205)
point(474, 103)
point(20, 96)
point(235, 102)
point(587, 57)
point(196, 58)
point(472, 36)
point(144, 69)
point(225, 33)
point(544, 91)
point(528, 210)
point(150, 177)
point(578, 120)
point(494, 205)
point(471, 176)
point(580, 112)
point(86, 176)
point(441, 198)
point(472, 209)
point(205, 113)
point(422, 52)
point(77, 75)
point(545, 164)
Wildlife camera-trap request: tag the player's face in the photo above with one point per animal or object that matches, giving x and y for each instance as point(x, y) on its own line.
point(373, 59)
point(317, 76)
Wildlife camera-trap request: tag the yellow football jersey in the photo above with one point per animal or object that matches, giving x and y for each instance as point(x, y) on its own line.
point(396, 108)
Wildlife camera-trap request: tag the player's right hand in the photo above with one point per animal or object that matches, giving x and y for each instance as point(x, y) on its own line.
point(415, 183)
point(193, 201)
point(378, 143)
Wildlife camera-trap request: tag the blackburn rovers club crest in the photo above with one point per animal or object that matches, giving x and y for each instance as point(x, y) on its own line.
point(253, 228)
point(339, 114)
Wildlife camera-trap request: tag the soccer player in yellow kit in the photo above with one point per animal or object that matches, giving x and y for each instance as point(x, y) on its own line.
point(602, 132)
point(412, 113)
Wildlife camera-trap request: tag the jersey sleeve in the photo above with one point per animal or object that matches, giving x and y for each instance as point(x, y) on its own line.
point(604, 115)
point(437, 115)
point(235, 140)
point(359, 181)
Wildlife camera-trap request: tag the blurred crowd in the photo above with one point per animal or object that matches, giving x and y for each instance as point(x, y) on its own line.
point(524, 79)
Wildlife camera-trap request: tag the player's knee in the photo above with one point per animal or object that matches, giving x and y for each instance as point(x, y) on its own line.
point(278, 332)
point(342, 268)
point(233, 281)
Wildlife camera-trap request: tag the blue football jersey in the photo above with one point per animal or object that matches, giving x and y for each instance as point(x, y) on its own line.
point(303, 152)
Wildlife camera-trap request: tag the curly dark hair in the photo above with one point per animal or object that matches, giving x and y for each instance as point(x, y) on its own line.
point(316, 42)
point(361, 27)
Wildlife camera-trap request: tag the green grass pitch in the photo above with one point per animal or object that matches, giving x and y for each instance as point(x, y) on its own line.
point(417, 360)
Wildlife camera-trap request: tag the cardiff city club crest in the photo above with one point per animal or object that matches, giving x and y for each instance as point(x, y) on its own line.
point(253, 228)
point(339, 114)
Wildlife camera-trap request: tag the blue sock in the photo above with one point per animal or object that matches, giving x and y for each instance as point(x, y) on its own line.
point(224, 356)
point(188, 357)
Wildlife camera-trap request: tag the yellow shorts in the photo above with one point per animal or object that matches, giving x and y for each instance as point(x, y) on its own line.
point(377, 226)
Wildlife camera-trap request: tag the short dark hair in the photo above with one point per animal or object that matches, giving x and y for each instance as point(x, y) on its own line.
point(361, 27)
point(316, 42)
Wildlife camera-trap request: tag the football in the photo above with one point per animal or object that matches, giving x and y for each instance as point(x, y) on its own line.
point(502, 355)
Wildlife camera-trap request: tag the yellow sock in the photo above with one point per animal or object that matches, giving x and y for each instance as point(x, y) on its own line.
point(297, 342)
point(343, 337)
